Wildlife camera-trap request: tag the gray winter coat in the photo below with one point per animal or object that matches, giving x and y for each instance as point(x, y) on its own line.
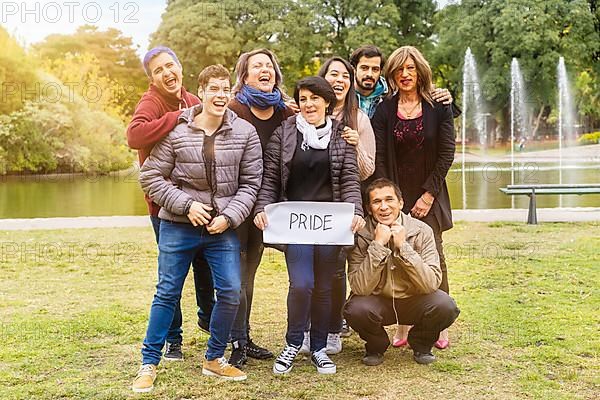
point(174, 174)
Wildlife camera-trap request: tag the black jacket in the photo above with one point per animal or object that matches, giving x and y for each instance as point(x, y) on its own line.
point(345, 181)
point(438, 126)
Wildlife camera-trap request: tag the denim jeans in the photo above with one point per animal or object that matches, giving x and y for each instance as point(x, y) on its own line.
point(310, 269)
point(205, 297)
point(178, 244)
point(252, 248)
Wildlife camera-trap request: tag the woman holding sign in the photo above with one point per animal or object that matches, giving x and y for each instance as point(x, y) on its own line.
point(307, 159)
point(415, 147)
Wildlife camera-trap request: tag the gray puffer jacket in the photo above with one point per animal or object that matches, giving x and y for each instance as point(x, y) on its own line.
point(174, 174)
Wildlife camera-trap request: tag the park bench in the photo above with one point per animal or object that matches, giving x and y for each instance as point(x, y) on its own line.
point(534, 190)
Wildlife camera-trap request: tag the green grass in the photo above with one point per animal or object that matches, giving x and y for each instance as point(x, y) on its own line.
point(74, 307)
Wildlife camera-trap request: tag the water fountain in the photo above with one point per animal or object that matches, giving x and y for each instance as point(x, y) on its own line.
point(566, 115)
point(471, 106)
point(519, 114)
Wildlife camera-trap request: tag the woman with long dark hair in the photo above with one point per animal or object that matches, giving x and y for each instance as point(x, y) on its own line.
point(358, 132)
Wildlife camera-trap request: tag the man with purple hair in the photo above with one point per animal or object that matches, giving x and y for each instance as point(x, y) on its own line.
point(155, 116)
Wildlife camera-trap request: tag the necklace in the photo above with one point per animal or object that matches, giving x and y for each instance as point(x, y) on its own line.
point(406, 112)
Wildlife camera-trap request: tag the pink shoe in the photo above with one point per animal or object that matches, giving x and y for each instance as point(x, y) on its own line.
point(442, 344)
point(399, 342)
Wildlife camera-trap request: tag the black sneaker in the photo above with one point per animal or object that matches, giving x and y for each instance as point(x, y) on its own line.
point(284, 362)
point(255, 351)
point(173, 352)
point(238, 356)
point(346, 331)
point(372, 359)
point(423, 358)
point(204, 325)
point(321, 360)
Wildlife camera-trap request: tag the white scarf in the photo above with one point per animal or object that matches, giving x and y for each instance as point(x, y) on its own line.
point(311, 136)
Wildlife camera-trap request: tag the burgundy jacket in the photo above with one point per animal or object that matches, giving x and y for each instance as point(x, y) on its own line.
point(154, 118)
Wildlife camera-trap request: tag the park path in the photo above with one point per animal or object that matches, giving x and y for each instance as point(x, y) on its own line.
point(589, 153)
point(578, 214)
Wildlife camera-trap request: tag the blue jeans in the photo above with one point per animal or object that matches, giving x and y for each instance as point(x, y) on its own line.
point(205, 298)
point(178, 244)
point(310, 269)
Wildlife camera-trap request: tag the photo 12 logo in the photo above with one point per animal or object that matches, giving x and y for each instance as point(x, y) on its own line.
point(54, 92)
point(89, 12)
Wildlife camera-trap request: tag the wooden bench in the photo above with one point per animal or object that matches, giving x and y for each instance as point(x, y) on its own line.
point(534, 190)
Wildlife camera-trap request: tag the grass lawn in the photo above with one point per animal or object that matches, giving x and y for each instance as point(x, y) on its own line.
point(74, 307)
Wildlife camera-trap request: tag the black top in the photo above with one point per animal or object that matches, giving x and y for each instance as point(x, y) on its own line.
point(410, 159)
point(208, 154)
point(266, 127)
point(310, 179)
point(438, 151)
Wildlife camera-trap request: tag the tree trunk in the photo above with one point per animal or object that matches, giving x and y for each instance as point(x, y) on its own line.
point(537, 122)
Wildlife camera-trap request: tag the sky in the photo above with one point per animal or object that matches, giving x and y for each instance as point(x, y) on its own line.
point(30, 21)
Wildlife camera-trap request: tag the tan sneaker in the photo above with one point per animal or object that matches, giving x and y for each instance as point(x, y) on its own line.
point(144, 381)
point(219, 367)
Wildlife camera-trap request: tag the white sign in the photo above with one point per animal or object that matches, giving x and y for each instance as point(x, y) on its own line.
point(308, 222)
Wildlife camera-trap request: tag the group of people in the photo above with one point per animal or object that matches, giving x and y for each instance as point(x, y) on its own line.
point(365, 131)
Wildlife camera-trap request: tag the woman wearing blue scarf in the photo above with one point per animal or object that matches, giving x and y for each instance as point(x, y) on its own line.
point(258, 100)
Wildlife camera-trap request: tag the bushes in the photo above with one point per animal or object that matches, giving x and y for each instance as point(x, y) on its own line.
point(589, 138)
point(46, 126)
point(47, 137)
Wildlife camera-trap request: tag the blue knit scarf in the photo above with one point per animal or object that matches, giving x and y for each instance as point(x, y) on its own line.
point(256, 98)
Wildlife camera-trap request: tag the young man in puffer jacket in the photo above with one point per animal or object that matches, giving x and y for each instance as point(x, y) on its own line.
point(205, 175)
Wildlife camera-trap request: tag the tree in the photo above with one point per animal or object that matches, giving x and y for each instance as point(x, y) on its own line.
point(536, 32)
point(17, 74)
point(115, 54)
point(385, 23)
point(81, 74)
point(200, 33)
point(302, 33)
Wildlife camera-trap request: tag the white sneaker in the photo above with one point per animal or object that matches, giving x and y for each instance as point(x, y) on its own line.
point(334, 343)
point(321, 360)
point(284, 362)
point(305, 348)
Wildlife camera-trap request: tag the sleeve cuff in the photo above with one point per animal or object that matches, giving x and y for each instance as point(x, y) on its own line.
point(378, 251)
point(188, 205)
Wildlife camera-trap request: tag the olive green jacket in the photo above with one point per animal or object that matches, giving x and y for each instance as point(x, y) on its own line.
point(413, 269)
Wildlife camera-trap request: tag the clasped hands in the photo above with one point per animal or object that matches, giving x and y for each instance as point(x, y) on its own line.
point(199, 214)
point(384, 233)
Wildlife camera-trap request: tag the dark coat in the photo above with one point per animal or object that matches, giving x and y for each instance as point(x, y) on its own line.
point(438, 126)
point(345, 181)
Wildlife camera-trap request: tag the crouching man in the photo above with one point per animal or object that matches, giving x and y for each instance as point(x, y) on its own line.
point(205, 175)
point(394, 273)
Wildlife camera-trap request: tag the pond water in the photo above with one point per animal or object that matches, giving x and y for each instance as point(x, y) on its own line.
point(120, 194)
